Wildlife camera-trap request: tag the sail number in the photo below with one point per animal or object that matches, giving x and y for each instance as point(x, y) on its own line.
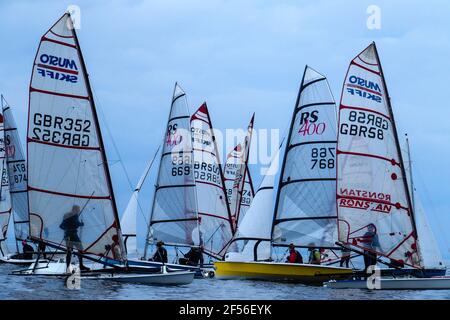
point(364, 124)
point(19, 171)
point(322, 158)
point(59, 130)
point(181, 165)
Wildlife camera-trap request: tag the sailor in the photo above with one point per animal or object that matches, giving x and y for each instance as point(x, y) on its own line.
point(193, 257)
point(115, 248)
point(370, 242)
point(160, 254)
point(27, 250)
point(314, 256)
point(294, 256)
point(70, 224)
point(345, 257)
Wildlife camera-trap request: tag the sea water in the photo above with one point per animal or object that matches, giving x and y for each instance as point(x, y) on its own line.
point(13, 287)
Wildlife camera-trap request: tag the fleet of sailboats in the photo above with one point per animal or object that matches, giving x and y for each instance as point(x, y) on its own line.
point(343, 186)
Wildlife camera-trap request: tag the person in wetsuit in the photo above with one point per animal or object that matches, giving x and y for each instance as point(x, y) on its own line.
point(193, 258)
point(294, 256)
point(370, 242)
point(160, 254)
point(27, 250)
point(70, 224)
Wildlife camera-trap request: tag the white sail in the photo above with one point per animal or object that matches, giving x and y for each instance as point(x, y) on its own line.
point(372, 195)
point(429, 250)
point(17, 174)
point(232, 177)
point(306, 201)
point(174, 217)
point(237, 164)
point(214, 214)
point(5, 199)
point(71, 201)
point(129, 218)
point(254, 236)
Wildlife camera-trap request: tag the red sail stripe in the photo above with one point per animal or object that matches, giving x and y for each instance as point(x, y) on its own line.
point(40, 65)
point(70, 195)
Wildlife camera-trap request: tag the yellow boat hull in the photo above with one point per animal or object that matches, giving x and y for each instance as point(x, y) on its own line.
point(276, 271)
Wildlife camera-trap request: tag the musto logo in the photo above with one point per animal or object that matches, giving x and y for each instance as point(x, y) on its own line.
point(364, 88)
point(57, 68)
point(365, 200)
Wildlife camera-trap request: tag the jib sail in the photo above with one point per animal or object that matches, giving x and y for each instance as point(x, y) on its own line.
point(213, 211)
point(373, 203)
point(17, 174)
point(305, 211)
point(174, 217)
point(71, 201)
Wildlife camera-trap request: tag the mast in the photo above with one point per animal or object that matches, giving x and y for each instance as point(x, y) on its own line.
point(286, 150)
point(97, 123)
point(408, 150)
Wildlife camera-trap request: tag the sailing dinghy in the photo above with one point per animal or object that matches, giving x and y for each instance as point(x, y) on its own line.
point(305, 207)
point(70, 194)
point(14, 187)
point(373, 196)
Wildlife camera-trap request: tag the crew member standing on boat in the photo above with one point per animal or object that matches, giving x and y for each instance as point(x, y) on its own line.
point(161, 253)
point(370, 242)
point(294, 256)
point(345, 257)
point(70, 224)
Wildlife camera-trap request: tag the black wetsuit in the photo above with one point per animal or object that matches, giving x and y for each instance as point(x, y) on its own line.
point(27, 251)
point(192, 258)
point(160, 255)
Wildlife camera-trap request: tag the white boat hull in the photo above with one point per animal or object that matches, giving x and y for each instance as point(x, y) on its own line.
point(170, 278)
point(438, 283)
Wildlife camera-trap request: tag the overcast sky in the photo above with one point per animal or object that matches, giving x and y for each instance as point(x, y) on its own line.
point(242, 57)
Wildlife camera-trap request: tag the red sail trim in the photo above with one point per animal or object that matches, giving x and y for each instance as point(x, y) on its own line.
point(365, 68)
point(59, 42)
point(365, 89)
point(209, 183)
point(343, 106)
point(62, 145)
point(40, 65)
point(399, 245)
point(213, 215)
point(392, 161)
point(61, 36)
point(69, 195)
point(338, 196)
point(58, 94)
point(370, 64)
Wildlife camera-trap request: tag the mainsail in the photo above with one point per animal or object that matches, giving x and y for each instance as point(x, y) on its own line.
point(305, 210)
point(17, 174)
point(232, 177)
point(174, 217)
point(372, 194)
point(238, 193)
point(5, 199)
point(213, 210)
point(71, 200)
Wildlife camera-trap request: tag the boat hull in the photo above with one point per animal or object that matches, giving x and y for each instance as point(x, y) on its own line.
point(169, 278)
point(274, 271)
point(438, 283)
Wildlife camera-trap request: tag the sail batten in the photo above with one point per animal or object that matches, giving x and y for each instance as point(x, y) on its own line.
point(373, 202)
point(70, 195)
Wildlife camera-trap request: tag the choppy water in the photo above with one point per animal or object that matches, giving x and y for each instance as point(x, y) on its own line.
point(31, 287)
